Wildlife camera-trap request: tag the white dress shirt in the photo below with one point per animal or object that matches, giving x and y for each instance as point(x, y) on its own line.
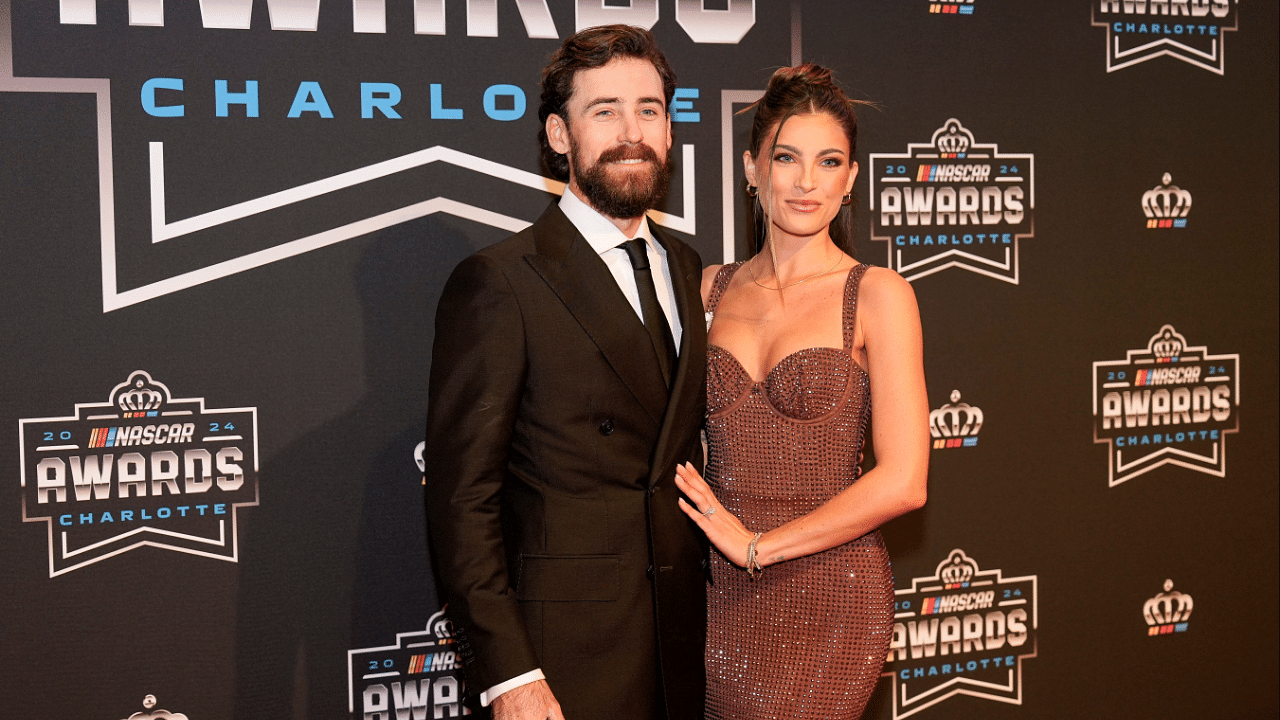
point(604, 237)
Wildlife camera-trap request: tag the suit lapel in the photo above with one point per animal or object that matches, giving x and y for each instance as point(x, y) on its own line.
point(688, 389)
point(577, 275)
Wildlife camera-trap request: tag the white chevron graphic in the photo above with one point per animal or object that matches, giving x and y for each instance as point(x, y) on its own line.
point(161, 229)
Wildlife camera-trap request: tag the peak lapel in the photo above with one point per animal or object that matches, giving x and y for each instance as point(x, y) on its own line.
point(577, 275)
point(687, 403)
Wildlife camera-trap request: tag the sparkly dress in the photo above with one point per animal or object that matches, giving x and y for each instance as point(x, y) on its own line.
point(807, 638)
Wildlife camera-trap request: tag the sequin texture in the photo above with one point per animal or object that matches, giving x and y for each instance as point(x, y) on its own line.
point(808, 637)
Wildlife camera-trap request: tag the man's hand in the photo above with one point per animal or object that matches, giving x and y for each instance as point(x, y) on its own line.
point(533, 701)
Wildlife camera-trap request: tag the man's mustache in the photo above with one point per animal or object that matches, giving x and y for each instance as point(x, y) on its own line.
point(639, 151)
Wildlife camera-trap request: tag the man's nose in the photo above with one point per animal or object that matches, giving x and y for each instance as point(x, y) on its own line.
point(629, 130)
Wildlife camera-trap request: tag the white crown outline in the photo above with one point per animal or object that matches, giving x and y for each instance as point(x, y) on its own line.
point(952, 137)
point(957, 568)
point(1166, 200)
point(1170, 606)
point(149, 702)
point(139, 393)
point(1167, 342)
point(954, 410)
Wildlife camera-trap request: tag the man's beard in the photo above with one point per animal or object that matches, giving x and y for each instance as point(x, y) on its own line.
point(635, 193)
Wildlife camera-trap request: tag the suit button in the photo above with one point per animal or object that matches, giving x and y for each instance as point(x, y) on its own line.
point(606, 427)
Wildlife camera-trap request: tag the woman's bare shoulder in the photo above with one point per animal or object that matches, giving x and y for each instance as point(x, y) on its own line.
point(887, 302)
point(882, 286)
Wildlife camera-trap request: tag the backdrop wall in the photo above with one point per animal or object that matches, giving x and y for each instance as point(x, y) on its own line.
point(226, 224)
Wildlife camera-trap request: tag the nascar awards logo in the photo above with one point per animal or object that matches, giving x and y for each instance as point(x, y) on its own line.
point(955, 424)
point(1166, 205)
point(953, 202)
point(952, 7)
point(1193, 31)
point(1168, 612)
point(1166, 403)
point(961, 631)
point(417, 676)
point(141, 469)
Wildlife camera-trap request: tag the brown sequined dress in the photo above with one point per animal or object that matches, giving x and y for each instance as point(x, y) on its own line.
point(808, 637)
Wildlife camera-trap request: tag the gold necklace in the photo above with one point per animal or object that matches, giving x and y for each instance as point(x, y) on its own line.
point(839, 257)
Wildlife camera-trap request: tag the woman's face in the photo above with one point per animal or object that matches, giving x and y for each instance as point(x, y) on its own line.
point(810, 173)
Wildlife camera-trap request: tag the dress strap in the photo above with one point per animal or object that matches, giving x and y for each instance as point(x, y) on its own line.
point(851, 303)
point(719, 285)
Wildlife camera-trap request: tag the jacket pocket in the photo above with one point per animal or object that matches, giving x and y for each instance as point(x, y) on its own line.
point(568, 578)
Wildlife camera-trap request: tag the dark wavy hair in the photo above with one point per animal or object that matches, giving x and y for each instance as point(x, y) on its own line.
point(592, 48)
point(803, 90)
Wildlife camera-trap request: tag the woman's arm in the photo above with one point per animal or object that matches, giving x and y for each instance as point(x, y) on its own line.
point(890, 323)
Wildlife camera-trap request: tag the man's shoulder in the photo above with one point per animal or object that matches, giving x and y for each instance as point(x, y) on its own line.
point(676, 246)
point(510, 249)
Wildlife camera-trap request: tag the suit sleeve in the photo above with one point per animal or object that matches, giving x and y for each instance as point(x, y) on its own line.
point(478, 367)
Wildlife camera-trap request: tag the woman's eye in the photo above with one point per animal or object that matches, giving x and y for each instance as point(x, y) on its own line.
point(782, 157)
point(831, 162)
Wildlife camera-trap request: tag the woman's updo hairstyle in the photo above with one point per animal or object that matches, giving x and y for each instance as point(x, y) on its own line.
point(803, 90)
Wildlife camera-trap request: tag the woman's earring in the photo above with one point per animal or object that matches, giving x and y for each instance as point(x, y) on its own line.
point(752, 191)
point(847, 199)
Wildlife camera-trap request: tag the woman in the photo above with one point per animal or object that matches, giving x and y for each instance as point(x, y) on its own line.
point(805, 346)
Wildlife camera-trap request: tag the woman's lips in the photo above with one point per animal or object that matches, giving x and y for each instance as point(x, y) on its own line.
point(804, 206)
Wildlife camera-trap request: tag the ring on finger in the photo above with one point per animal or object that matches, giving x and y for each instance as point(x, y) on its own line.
point(709, 511)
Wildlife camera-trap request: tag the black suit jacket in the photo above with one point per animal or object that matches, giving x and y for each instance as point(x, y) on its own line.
point(550, 457)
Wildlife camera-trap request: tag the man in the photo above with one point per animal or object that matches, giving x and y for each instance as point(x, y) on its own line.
point(566, 385)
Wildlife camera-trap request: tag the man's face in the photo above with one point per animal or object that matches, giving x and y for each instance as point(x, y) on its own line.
point(617, 135)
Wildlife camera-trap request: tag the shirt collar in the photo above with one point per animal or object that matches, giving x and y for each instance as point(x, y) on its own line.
point(600, 233)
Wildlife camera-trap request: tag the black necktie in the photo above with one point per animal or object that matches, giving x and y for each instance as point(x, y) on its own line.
point(655, 321)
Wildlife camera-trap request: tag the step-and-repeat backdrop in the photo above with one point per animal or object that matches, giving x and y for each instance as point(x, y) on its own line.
point(226, 225)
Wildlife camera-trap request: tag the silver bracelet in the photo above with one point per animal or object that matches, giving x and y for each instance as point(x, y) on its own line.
point(752, 565)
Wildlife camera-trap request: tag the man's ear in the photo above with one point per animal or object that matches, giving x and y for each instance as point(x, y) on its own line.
point(557, 134)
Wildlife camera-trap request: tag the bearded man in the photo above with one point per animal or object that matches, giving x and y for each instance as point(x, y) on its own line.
point(566, 385)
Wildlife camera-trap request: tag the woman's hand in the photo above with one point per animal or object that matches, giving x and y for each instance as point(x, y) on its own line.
point(723, 529)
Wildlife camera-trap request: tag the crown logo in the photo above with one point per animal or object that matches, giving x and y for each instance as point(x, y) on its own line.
point(955, 419)
point(1167, 343)
point(441, 625)
point(1166, 200)
point(1167, 607)
point(139, 394)
point(957, 568)
point(149, 702)
point(952, 137)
